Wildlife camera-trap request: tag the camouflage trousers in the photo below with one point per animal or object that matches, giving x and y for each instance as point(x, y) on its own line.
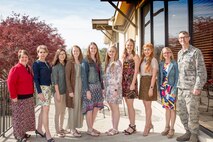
point(187, 108)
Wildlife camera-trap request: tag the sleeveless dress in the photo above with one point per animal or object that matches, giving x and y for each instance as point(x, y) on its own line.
point(167, 98)
point(128, 73)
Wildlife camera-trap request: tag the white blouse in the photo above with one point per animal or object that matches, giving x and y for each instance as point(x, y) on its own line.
point(154, 65)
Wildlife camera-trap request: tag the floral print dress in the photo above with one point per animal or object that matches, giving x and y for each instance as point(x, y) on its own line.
point(128, 74)
point(113, 81)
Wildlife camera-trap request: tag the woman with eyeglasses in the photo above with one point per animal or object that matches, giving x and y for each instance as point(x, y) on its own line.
point(167, 83)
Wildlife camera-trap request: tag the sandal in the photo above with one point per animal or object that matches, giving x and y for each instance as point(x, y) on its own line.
point(96, 131)
point(22, 140)
point(112, 132)
point(92, 133)
point(60, 135)
point(166, 131)
point(64, 131)
point(75, 134)
point(108, 130)
point(132, 128)
point(171, 133)
point(77, 131)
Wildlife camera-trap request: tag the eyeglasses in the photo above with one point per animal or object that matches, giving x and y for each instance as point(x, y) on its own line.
point(166, 52)
point(184, 37)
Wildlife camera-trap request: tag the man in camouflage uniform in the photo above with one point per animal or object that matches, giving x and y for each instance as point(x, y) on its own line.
point(192, 77)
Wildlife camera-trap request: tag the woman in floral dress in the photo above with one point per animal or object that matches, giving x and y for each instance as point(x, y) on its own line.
point(113, 87)
point(129, 82)
point(167, 82)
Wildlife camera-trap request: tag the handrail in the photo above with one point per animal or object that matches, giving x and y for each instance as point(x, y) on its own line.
point(5, 111)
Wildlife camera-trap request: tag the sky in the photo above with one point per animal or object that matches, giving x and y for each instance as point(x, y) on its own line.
point(72, 18)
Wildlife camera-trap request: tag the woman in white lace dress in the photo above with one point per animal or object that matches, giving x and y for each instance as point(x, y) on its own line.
point(113, 86)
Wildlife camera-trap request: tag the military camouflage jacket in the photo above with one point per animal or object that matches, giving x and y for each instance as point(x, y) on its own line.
point(192, 70)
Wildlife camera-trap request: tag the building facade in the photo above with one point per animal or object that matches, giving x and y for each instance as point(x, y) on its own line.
point(159, 22)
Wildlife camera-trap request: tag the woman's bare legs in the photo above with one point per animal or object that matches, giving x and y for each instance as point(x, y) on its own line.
point(115, 115)
point(45, 120)
point(148, 112)
point(89, 120)
point(131, 114)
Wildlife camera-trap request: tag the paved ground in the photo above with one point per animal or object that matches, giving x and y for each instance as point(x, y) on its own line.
point(103, 124)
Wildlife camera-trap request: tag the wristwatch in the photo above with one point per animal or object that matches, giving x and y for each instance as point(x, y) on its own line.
point(115, 89)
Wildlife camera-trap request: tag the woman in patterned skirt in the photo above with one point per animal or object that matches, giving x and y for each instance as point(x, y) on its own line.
point(92, 93)
point(113, 87)
point(148, 88)
point(129, 82)
point(74, 87)
point(20, 85)
point(167, 82)
point(42, 78)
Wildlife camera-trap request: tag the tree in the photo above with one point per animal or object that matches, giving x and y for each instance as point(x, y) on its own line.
point(22, 32)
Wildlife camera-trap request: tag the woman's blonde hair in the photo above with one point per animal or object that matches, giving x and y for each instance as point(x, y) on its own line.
point(125, 51)
point(97, 57)
point(107, 58)
point(80, 57)
point(161, 54)
point(44, 47)
point(149, 60)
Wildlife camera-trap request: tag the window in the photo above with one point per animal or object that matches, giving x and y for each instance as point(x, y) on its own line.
point(147, 23)
point(159, 27)
point(203, 31)
point(178, 21)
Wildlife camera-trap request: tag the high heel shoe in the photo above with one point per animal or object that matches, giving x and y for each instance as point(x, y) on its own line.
point(38, 133)
point(166, 131)
point(147, 130)
point(171, 133)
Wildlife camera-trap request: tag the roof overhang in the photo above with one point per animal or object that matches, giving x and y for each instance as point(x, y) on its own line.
point(101, 24)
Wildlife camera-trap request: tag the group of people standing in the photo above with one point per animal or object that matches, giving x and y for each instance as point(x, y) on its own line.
point(81, 85)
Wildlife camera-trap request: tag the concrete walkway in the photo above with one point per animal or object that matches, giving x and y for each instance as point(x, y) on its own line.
point(103, 124)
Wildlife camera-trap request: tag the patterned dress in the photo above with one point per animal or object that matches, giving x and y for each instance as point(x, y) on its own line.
point(168, 99)
point(92, 77)
point(128, 74)
point(113, 81)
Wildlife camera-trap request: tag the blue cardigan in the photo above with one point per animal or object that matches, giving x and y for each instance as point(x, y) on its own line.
point(172, 75)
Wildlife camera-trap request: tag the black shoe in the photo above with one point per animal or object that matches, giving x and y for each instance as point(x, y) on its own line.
point(51, 140)
point(27, 136)
point(38, 133)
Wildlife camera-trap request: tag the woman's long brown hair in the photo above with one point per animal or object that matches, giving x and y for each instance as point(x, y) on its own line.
point(125, 51)
point(97, 57)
